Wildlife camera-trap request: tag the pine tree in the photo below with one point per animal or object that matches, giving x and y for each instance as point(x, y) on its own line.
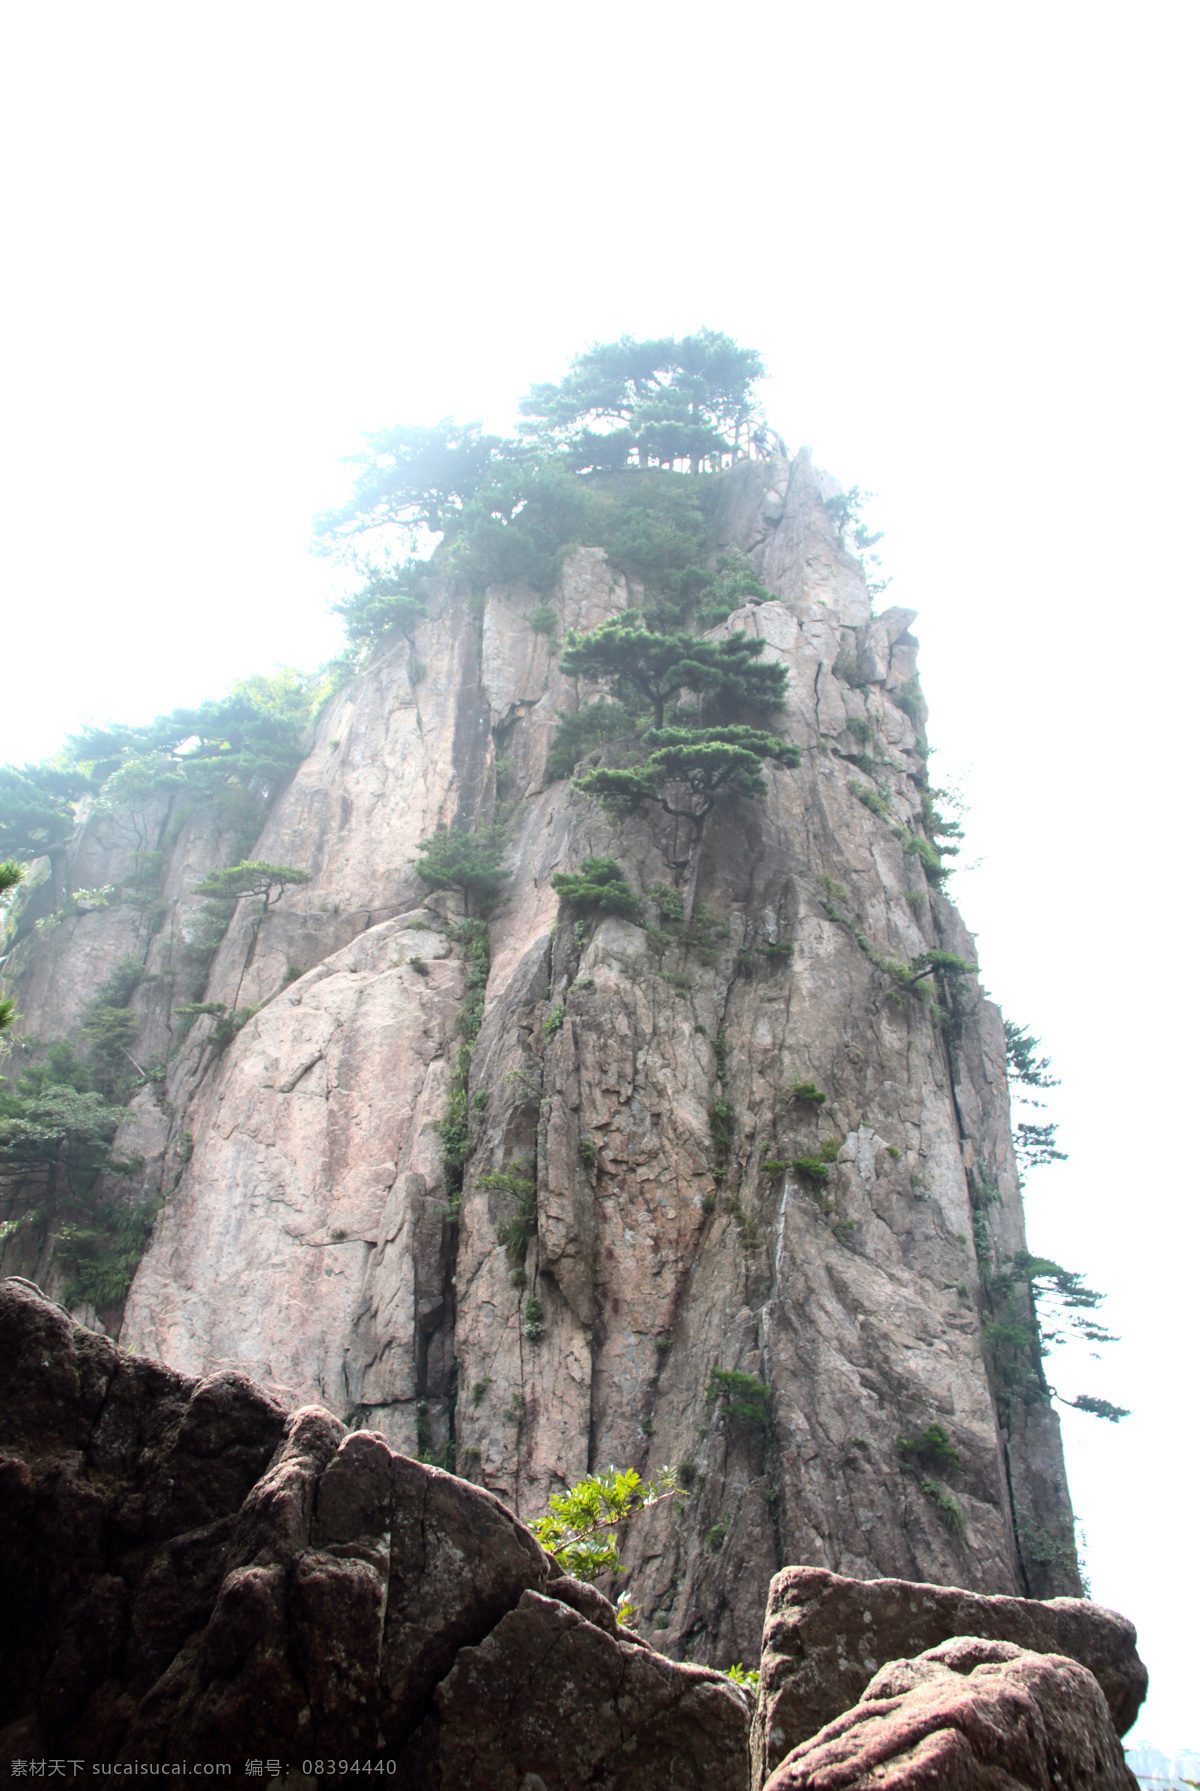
point(658, 667)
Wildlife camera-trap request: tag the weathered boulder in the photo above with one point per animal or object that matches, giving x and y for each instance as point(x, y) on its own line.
point(825, 1636)
point(550, 1699)
point(970, 1715)
point(190, 1572)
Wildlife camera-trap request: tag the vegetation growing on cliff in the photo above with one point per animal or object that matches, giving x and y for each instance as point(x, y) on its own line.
point(578, 1526)
point(468, 861)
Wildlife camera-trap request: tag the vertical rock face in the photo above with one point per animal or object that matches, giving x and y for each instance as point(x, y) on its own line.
point(642, 1078)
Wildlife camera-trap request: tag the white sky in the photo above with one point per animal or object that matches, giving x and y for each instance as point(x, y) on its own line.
point(963, 237)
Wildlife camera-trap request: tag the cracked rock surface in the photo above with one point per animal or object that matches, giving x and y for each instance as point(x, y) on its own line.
point(190, 1572)
point(825, 1636)
point(970, 1715)
point(306, 1238)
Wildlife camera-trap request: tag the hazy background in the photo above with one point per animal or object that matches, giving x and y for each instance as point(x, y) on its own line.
point(962, 236)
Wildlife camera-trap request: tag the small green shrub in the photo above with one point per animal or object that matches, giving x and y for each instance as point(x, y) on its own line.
point(292, 974)
point(479, 1390)
point(746, 1677)
point(533, 1324)
point(554, 1020)
point(721, 1121)
point(579, 734)
point(587, 1153)
point(872, 799)
point(740, 1395)
point(543, 620)
point(860, 729)
point(948, 1509)
point(577, 1527)
point(662, 1346)
point(828, 1153)
point(771, 1165)
point(775, 954)
point(688, 1474)
point(598, 887)
point(228, 1027)
point(807, 1093)
point(518, 1226)
point(714, 1542)
point(812, 1169)
point(931, 1449)
point(708, 1204)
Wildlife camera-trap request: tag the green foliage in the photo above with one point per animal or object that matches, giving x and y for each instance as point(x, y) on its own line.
point(656, 667)
point(741, 1396)
point(859, 728)
point(533, 1322)
point(519, 1225)
point(454, 1127)
point(911, 700)
point(412, 478)
point(577, 1526)
point(37, 809)
point(662, 400)
point(254, 877)
point(1036, 1145)
point(101, 1257)
point(1025, 1067)
point(746, 1677)
point(813, 1169)
point(598, 887)
point(772, 1165)
point(1099, 1408)
point(704, 763)
point(807, 1093)
point(930, 1448)
point(64, 1128)
point(914, 845)
point(845, 510)
point(554, 1020)
point(388, 603)
point(587, 1153)
point(721, 1126)
point(579, 734)
point(469, 862)
point(714, 1540)
point(229, 1025)
point(479, 1390)
point(734, 583)
point(11, 874)
point(873, 799)
point(543, 620)
point(948, 1508)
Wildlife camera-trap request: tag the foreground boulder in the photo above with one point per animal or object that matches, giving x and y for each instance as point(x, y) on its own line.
point(825, 1637)
point(188, 1572)
point(969, 1715)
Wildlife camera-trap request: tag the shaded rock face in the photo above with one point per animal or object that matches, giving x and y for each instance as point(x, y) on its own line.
point(305, 1236)
point(191, 1573)
point(969, 1715)
point(825, 1637)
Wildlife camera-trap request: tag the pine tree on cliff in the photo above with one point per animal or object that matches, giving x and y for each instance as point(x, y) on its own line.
point(659, 667)
point(663, 400)
point(468, 862)
point(253, 876)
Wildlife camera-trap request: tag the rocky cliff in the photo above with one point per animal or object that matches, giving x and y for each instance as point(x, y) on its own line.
point(636, 1081)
